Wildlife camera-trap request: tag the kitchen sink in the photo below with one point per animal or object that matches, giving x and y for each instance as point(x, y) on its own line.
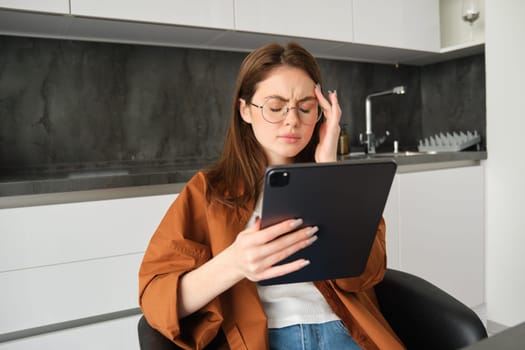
point(361, 155)
point(399, 154)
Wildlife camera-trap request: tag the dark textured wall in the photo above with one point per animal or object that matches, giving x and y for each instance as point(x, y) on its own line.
point(453, 96)
point(78, 102)
point(65, 103)
point(399, 114)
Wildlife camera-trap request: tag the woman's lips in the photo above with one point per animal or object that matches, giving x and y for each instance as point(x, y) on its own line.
point(289, 138)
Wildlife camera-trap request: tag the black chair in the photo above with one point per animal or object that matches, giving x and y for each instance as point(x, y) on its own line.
point(426, 317)
point(421, 314)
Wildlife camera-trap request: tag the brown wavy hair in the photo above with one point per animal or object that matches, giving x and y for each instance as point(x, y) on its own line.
point(236, 178)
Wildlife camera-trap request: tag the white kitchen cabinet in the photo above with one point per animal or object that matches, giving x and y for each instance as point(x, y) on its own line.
point(383, 31)
point(48, 235)
point(198, 13)
point(65, 262)
point(457, 33)
point(109, 335)
point(49, 6)
point(329, 20)
point(407, 24)
point(435, 229)
point(47, 295)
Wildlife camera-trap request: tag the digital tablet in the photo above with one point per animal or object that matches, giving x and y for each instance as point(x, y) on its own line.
point(344, 199)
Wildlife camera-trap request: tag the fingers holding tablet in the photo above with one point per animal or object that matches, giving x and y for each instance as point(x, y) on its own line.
point(257, 251)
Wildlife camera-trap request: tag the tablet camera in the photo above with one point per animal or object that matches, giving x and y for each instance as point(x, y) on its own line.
point(279, 178)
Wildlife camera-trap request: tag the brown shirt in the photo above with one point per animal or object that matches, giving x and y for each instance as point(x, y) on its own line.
point(193, 231)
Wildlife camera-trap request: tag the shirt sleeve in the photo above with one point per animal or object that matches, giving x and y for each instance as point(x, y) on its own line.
point(375, 267)
point(180, 244)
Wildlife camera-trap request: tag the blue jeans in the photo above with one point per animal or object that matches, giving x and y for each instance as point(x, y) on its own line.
point(330, 335)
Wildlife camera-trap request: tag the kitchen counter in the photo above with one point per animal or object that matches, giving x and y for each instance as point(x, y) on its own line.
point(65, 186)
point(422, 161)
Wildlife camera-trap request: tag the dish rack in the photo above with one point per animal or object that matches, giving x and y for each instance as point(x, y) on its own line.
point(449, 142)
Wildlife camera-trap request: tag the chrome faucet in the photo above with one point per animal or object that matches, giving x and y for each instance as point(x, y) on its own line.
point(370, 140)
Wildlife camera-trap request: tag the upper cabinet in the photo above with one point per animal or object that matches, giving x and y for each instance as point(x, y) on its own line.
point(199, 13)
point(327, 20)
point(49, 6)
point(383, 31)
point(456, 32)
point(406, 24)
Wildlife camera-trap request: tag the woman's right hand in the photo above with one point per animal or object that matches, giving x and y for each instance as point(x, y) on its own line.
point(255, 252)
point(252, 255)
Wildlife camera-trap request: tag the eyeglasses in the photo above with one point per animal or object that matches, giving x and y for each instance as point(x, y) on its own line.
point(274, 110)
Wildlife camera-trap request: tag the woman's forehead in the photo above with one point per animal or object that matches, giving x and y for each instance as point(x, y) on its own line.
point(287, 82)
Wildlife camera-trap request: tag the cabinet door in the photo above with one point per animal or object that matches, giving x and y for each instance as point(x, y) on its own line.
point(408, 24)
point(391, 216)
point(64, 262)
point(199, 13)
point(116, 334)
point(51, 6)
point(330, 19)
point(442, 229)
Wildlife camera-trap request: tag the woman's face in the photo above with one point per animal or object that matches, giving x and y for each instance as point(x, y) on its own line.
point(289, 87)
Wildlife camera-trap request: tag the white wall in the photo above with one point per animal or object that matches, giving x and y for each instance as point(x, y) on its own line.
point(505, 177)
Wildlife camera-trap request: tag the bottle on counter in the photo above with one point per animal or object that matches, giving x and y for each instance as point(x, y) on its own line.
point(343, 145)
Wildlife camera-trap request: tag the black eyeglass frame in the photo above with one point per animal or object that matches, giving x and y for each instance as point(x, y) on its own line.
point(288, 108)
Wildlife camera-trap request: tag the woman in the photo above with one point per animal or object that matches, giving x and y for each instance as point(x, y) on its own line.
point(197, 279)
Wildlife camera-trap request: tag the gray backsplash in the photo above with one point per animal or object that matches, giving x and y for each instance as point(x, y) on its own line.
point(82, 104)
point(453, 96)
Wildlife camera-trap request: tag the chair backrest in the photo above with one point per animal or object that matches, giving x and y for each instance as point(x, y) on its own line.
point(424, 316)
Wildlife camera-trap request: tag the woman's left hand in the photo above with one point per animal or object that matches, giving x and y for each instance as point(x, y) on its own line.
point(326, 150)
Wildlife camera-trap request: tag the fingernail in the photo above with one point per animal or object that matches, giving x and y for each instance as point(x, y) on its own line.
point(312, 230)
point(333, 92)
point(318, 86)
point(305, 262)
point(296, 223)
point(312, 239)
